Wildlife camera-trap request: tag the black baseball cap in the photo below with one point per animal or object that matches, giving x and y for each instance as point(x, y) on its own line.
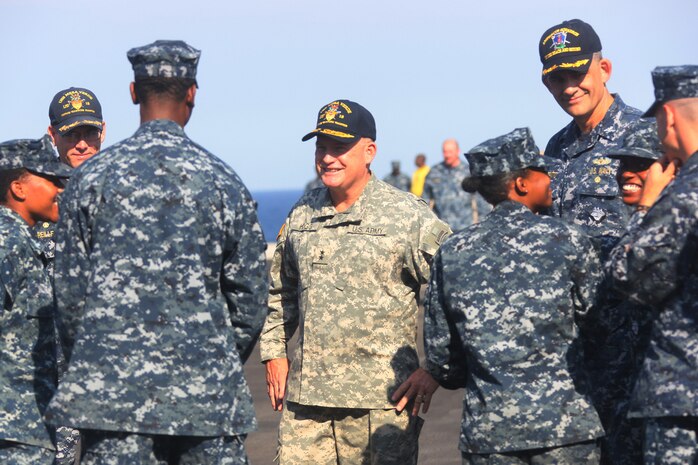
point(344, 120)
point(569, 45)
point(74, 107)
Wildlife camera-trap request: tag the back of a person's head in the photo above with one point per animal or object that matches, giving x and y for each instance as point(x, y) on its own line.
point(162, 88)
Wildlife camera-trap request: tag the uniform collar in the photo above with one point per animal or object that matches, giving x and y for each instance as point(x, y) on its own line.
point(353, 214)
point(510, 207)
point(161, 125)
point(19, 224)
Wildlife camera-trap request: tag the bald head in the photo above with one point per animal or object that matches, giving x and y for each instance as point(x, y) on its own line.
point(451, 152)
point(677, 126)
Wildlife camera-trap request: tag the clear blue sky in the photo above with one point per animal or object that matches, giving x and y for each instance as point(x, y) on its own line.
point(426, 70)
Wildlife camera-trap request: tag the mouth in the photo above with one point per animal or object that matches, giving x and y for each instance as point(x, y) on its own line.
point(631, 188)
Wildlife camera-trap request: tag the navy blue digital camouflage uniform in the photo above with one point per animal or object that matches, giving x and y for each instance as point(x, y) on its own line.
point(459, 209)
point(655, 265)
point(27, 345)
point(161, 291)
point(501, 314)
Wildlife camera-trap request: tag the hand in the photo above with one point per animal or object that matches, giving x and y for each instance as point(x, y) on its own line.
point(277, 374)
point(657, 179)
point(420, 386)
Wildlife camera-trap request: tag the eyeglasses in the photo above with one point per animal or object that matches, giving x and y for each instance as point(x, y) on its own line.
point(89, 135)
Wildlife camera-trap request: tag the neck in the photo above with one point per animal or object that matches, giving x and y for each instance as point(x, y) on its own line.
point(454, 164)
point(154, 109)
point(345, 198)
point(588, 122)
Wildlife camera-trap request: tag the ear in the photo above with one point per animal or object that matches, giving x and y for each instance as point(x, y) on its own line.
point(521, 186)
point(104, 132)
point(370, 151)
point(18, 190)
point(52, 134)
point(191, 96)
point(134, 97)
point(606, 69)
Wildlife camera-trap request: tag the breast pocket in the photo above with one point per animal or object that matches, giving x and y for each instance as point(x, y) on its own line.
point(598, 195)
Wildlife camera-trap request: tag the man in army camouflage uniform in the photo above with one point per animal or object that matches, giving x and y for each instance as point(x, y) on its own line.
point(160, 286)
point(442, 189)
point(30, 181)
point(501, 317)
point(585, 191)
point(347, 270)
point(398, 179)
point(655, 264)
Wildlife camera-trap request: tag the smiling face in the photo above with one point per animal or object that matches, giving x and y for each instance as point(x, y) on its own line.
point(580, 94)
point(631, 178)
point(78, 145)
point(344, 166)
point(40, 197)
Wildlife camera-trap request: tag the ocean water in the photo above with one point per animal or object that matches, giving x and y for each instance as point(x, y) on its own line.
point(273, 208)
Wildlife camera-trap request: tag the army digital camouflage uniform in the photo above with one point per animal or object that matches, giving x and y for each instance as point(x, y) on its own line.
point(28, 365)
point(161, 289)
point(500, 321)
point(655, 264)
point(452, 204)
point(349, 281)
point(401, 181)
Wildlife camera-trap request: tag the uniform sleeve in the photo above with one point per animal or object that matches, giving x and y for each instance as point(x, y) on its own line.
point(244, 278)
point(72, 265)
point(283, 313)
point(432, 233)
point(442, 346)
point(586, 273)
point(646, 264)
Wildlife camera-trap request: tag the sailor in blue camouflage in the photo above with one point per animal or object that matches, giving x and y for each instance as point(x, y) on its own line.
point(398, 179)
point(501, 318)
point(27, 342)
point(442, 189)
point(655, 265)
point(160, 283)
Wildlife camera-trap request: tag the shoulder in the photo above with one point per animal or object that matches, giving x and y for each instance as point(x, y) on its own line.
point(395, 201)
point(559, 140)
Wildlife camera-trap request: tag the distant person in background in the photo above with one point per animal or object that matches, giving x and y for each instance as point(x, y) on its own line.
point(419, 175)
point(396, 178)
point(443, 191)
point(314, 184)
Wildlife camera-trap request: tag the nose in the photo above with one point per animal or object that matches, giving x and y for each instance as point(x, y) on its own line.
point(82, 144)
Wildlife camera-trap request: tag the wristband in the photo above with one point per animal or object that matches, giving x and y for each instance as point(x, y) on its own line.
point(642, 208)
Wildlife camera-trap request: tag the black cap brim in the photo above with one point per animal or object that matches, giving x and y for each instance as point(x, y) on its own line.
point(336, 135)
point(78, 120)
point(651, 110)
point(577, 63)
point(634, 153)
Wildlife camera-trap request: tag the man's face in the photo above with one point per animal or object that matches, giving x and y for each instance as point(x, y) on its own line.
point(631, 178)
point(341, 165)
point(667, 135)
point(41, 201)
point(451, 153)
point(577, 93)
point(77, 145)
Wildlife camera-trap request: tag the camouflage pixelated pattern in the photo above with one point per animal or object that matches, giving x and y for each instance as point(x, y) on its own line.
point(164, 58)
point(311, 435)
point(501, 315)
point(36, 155)
point(161, 290)
point(641, 142)
point(401, 181)
point(45, 234)
point(673, 82)
point(504, 154)
point(655, 264)
point(452, 204)
point(586, 453)
point(671, 440)
point(22, 454)
point(27, 345)
point(110, 448)
point(585, 190)
point(349, 283)
point(314, 184)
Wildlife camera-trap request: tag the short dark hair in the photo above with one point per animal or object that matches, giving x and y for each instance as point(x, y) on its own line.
point(495, 188)
point(171, 88)
point(7, 177)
